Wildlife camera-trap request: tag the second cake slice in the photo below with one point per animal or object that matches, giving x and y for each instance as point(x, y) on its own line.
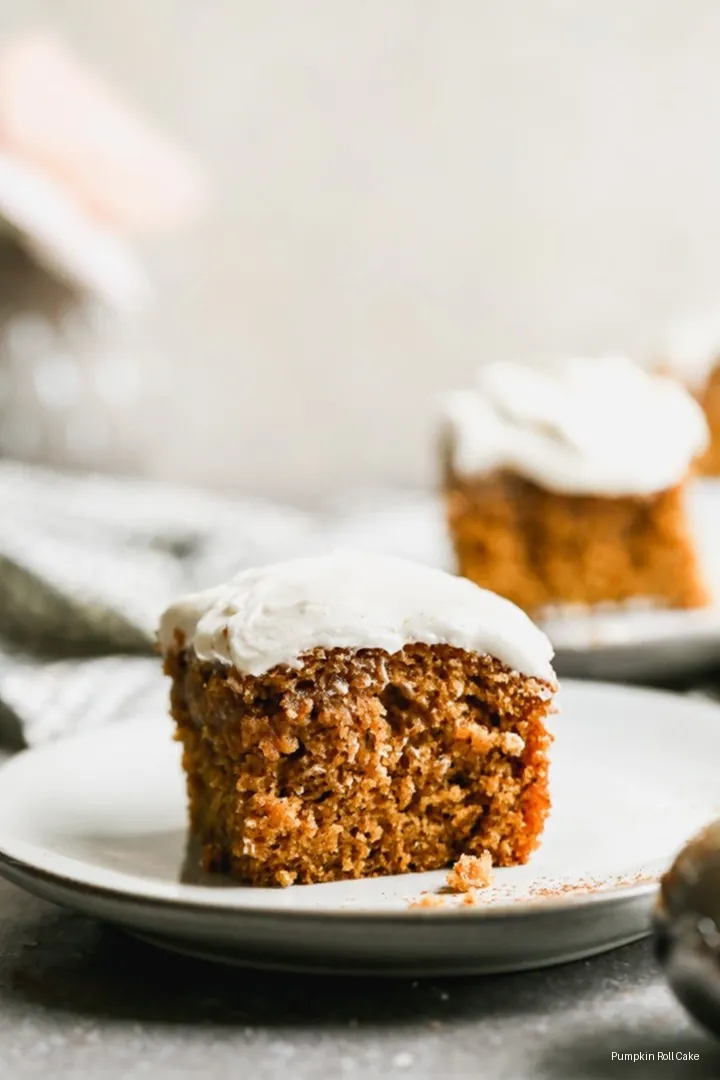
point(565, 484)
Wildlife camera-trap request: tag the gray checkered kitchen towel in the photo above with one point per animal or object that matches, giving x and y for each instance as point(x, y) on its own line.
point(88, 563)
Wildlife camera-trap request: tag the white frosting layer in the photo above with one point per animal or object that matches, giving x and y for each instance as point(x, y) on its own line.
point(351, 600)
point(603, 427)
point(691, 350)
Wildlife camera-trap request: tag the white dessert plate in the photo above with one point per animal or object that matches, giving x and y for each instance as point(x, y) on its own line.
point(97, 823)
point(636, 642)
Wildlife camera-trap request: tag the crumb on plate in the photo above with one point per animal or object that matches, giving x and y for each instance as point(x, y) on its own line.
point(470, 872)
point(427, 900)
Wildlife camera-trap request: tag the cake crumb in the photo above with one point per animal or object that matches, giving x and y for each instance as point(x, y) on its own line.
point(512, 744)
point(427, 900)
point(470, 872)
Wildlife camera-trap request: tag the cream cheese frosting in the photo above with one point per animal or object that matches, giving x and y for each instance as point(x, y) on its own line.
point(579, 426)
point(273, 614)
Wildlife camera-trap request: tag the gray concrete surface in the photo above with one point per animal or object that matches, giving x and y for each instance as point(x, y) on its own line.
point(78, 999)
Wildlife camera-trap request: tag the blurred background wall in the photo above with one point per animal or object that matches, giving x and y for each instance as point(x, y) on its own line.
point(401, 190)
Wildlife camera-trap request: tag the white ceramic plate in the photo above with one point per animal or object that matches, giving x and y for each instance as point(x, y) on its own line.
point(97, 822)
point(635, 643)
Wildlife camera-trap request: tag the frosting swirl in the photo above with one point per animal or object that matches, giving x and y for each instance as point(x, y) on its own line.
point(273, 614)
point(579, 426)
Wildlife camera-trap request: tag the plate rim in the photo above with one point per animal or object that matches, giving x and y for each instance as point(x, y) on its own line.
point(551, 906)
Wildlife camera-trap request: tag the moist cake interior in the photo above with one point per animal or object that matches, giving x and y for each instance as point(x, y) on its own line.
point(540, 548)
point(361, 763)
